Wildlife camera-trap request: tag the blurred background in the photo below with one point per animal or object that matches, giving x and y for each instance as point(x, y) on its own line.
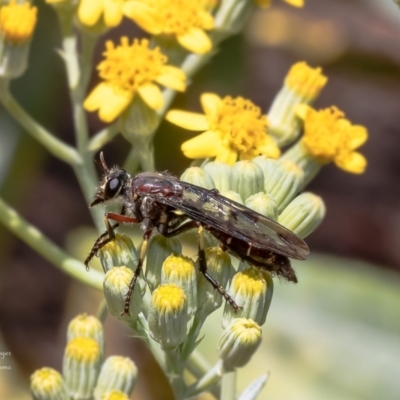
point(334, 335)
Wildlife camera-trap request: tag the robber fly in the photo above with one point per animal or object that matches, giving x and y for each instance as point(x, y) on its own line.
point(158, 200)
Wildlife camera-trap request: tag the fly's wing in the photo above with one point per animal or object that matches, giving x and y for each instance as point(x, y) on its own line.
point(211, 208)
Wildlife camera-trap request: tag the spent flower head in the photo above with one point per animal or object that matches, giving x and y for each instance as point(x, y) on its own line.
point(234, 129)
point(129, 70)
point(186, 20)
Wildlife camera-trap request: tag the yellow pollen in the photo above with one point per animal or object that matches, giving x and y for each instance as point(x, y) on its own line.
point(17, 21)
point(327, 133)
point(250, 281)
point(169, 298)
point(240, 123)
point(83, 349)
point(179, 265)
point(304, 80)
point(46, 379)
point(128, 66)
point(178, 17)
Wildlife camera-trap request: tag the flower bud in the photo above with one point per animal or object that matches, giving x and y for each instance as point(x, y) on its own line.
point(246, 178)
point(117, 374)
point(238, 342)
point(304, 214)
point(302, 85)
point(283, 180)
point(81, 366)
point(251, 289)
point(230, 194)
point(168, 315)
point(199, 177)
point(159, 249)
point(17, 23)
point(264, 204)
point(118, 252)
point(87, 326)
point(220, 268)
point(48, 384)
point(180, 271)
point(116, 286)
point(220, 173)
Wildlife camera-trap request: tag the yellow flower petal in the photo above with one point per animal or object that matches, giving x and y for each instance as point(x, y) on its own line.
point(89, 11)
point(207, 144)
point(143, 15)
point(210, 102)
point(302, 110)
point(269, 148)
point(207, 20)
point(359, 136)
point(112, 12)
point(196, 40)
point(188, 120)
point(295, 3)
point(353, 162)
point(109, 102)
point(227, 155)
point(151, 95)
point(172, 77)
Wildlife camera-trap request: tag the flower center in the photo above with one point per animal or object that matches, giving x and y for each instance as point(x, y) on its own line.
point(177, 17)
point(17, 22)
point(130, 66)
point(327, 133)
point(240, 123)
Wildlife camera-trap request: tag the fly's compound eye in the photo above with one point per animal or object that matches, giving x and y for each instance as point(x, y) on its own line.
point(112, 188)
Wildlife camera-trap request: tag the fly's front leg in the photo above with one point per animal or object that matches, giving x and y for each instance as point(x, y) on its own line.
point(203, 269)
point(143, 250)
point(109, 235)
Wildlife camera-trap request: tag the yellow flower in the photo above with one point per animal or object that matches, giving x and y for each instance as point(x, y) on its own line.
point(234, 128)
point(329, 136)
point(17, 21)
point(267, 3)
point(90, 12)
point(187, 20)
point(128, 70)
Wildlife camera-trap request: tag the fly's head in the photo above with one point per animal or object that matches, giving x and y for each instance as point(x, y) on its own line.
point(113, 184)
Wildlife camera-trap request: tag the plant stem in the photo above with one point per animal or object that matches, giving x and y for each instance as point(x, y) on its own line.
point(49, 250)
point(102, 138)
point(55, 146)
point(228, 386)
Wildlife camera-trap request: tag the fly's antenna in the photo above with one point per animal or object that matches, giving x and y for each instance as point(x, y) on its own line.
point(102, 163)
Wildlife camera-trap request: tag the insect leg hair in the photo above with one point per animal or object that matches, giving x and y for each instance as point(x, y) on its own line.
point(203, 269)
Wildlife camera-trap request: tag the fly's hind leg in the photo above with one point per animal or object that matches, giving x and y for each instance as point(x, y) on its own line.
point(203, 270)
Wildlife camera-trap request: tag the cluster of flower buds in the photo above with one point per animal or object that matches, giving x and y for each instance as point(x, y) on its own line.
point(86, 375)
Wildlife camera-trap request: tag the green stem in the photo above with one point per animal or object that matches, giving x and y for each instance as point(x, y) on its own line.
point(228, 386)
point(49, 250)
point(102, 138)
point(207, 382)
point(175, 372)
point(102, 311)
point(55, 146)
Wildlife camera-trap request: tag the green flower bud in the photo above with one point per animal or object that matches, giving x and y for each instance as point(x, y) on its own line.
point(159, 249)
point(138, 121)
point(230, 194)
point(220, 173)
point(88, 326)
point(114, 395)
point(48, 384)
point(283, 180)
point(17, 23)
point(238, 342)
point(116, 286)
point(304, 214)
point(302, 85)
point(168, 315)
point(81, 366)
point(180, 271)
point(264, 204)
point(246, 178)
point(199, 177)
point(220, 268)
point(299, 155)
point(251, 289)
point(118, 252)
point(117, 374)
